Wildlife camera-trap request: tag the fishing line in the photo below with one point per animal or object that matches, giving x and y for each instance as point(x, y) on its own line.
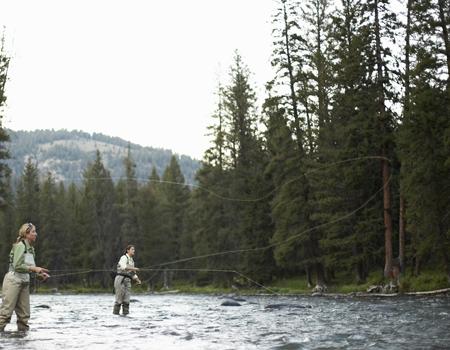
point(78, 272)
point(302, 232)
point(275, 244)
point(287, 240)
point(167, 270)
point(215, 270)
point(69, 270)
point(236, 199)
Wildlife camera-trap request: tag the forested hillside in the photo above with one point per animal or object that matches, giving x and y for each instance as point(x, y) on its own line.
point(340, 174)
point(66, 154)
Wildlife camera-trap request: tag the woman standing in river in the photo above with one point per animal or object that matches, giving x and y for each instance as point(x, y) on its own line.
point(122, 283)
point(16, 284)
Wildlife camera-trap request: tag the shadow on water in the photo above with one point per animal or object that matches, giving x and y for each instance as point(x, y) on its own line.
point(13, 335)
point(260, 322)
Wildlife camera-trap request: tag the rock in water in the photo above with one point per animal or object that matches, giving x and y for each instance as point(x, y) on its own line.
point(230, 303)
point(283, 305)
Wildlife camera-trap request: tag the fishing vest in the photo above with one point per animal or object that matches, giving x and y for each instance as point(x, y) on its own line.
point(126, 273)
point(28, 261)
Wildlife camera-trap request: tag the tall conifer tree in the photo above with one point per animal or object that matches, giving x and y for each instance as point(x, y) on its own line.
point(423, 138)
point(153, 223)
point(341, 186)
point(176, 196)
point(28, 191)
point(98, 220)
point(130, 233)
point(53, 236)
point(4, 153)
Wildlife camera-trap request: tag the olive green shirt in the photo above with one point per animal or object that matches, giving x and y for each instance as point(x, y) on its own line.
point(17, 257)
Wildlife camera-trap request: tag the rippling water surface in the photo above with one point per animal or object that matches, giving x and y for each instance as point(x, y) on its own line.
point(261, 322)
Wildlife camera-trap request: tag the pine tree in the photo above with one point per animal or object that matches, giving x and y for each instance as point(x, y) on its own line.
point(208, 215)
point(52, 240)
point(8, 228)
point(98, 221)
point(383, 25)
point(423, 146)
point(128, 206)
point(7, 224)
point(176, 196)
point(152, 222)
point(316, 15)
point(74, 245)
point(228, 213)
point(406, 109)
point(341, 186)
point(215, 155)
point(292, 245)
point(4, 153)
point(28, 191)
point(291, 59)
point(250, 227)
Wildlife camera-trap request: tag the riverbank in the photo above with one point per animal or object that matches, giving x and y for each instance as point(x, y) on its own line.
point(425, 284)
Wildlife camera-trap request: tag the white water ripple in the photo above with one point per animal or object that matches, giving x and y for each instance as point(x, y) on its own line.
point(200, 322)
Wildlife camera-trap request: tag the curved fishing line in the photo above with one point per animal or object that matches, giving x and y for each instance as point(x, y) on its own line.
point(69, 270)
point(214, 270)
point(77, 272)
point(275, 244)
point(287, 240)
point(235, 199)
point(166, 269)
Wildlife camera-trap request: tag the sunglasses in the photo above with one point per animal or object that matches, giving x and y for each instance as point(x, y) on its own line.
point(29, 227)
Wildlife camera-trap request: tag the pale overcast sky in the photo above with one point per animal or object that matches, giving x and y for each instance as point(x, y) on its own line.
point(142, 70)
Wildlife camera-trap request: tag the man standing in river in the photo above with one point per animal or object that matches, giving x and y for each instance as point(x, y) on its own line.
point(122, 283)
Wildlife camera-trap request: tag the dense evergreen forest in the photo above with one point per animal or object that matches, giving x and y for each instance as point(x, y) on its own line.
point(342, 172)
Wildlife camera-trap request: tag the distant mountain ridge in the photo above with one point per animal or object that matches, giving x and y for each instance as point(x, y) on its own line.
point(66, 155)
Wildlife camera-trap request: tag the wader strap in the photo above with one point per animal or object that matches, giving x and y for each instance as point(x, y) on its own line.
point(11, 258)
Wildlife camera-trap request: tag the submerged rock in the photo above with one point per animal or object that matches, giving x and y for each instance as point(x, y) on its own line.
point(230, 303)
point(285, 305)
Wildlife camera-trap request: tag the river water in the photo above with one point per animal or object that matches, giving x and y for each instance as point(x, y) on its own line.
point(176, 321)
